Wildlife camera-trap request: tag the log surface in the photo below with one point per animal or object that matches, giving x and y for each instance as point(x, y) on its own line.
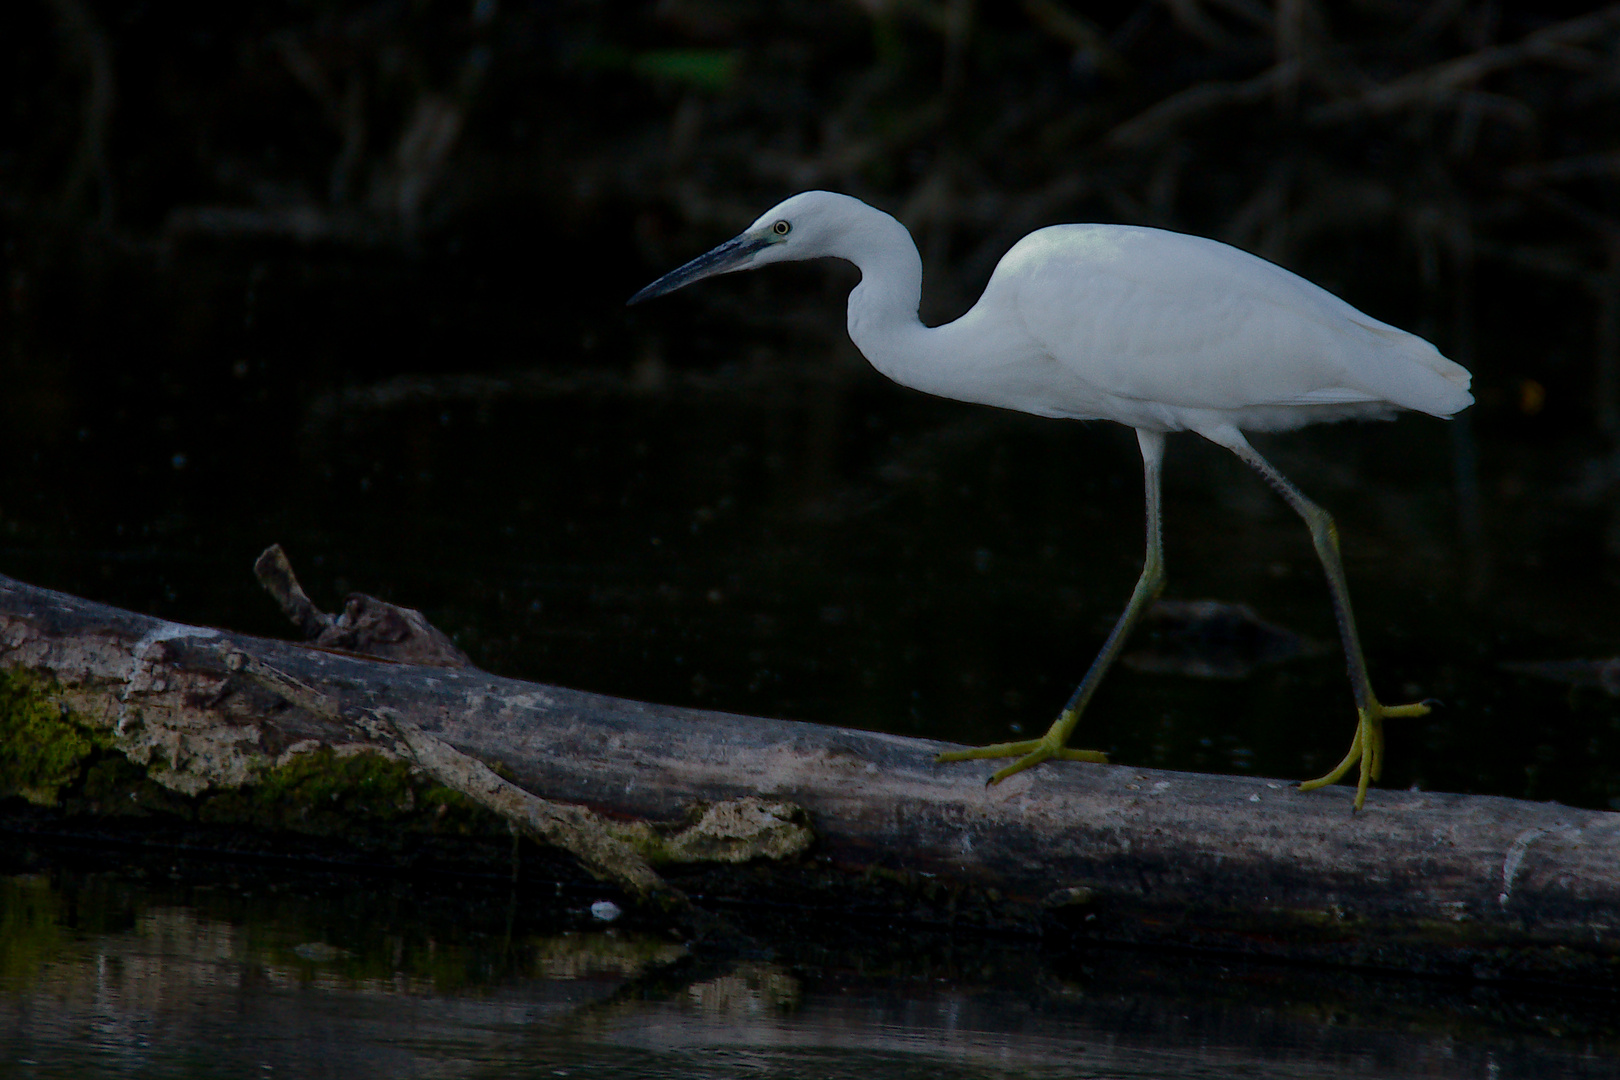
point(1453, 883)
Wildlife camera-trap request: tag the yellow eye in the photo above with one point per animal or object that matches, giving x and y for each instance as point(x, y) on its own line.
point(781, 228)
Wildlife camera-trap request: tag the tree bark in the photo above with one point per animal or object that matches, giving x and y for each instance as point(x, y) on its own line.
point(1465, 885)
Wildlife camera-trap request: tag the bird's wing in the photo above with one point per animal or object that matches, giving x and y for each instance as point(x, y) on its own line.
point(1155, 316)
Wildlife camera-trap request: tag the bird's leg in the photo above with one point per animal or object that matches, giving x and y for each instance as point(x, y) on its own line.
point(1367, 747)
point(1148, 587)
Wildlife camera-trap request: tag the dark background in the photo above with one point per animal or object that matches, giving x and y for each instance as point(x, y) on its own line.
point(349, 277)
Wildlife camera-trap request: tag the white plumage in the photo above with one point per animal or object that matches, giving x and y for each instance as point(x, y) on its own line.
point(1156, 330)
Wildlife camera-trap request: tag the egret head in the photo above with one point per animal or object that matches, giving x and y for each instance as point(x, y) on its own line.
point(806, 226)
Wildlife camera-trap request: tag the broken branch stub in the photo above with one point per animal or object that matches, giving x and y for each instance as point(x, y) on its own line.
point(368, 626)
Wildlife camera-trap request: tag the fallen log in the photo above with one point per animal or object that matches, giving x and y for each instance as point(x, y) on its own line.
point(1470, 886)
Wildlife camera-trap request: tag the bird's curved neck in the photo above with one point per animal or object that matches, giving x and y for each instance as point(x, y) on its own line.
point(883, 320)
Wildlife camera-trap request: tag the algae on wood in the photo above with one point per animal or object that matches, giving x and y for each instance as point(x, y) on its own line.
point(41, 745)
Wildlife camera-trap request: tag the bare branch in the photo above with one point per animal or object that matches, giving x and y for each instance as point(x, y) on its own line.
point(1153, 124)
point(93, 51)
point(1440, 83)
point(1580, 167)
point(1080, 33)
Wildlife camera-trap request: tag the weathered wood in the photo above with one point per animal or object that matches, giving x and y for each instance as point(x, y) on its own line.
point(1452, 883)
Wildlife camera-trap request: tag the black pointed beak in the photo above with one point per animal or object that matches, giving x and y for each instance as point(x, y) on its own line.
point(729, 256)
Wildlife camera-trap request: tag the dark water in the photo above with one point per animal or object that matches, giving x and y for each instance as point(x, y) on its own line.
point(173, 965)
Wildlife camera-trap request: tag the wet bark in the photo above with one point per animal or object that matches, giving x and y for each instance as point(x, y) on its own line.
point(1463, 885)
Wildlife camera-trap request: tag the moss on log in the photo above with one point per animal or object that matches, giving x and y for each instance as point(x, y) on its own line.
point(41, 744)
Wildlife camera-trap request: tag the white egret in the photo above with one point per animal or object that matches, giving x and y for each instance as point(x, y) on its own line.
point(1157, 330)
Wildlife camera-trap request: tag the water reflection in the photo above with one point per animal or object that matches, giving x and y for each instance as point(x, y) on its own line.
point(195, 968)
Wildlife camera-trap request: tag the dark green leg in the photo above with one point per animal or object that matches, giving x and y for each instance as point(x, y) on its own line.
point(1367, 747)
point(1148, 587)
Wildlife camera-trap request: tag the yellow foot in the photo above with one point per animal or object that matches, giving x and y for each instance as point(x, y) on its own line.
point(1367, 748)
point(1030, 752)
